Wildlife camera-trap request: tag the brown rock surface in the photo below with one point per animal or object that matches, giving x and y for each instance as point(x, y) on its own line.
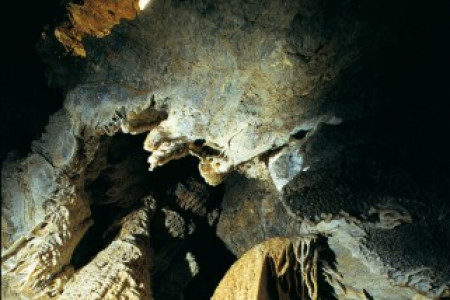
point(93, 18)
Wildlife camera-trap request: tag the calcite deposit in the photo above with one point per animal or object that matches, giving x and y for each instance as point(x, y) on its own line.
point(292, 264)
point(197, 133)
point(120, 271)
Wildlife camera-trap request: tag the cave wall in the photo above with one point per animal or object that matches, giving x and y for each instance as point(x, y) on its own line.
point(320, 118)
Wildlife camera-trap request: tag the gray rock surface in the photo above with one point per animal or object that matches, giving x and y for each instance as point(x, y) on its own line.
point(380, 220)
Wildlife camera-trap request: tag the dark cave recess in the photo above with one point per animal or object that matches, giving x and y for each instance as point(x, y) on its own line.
point(27, 100)
point(204, 244)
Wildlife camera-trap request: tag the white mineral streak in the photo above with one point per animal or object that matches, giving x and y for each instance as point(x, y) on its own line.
point(37, 265)
point(193, 266)
point(284, 166)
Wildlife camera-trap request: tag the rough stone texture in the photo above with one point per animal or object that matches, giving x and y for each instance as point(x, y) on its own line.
point(238, 61)
point(402, 218)
point(52, 260)
point(275, 95)
point(122, 270)
point(380, 223)
point(291, 264)
point(93, 18)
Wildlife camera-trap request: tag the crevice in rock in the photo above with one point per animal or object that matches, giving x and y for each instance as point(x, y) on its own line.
point(214, 260)
point(189, 259)
point(301, 134)
point(270, 153)
point(327, 260)
point(199, 142)
point(98, 237)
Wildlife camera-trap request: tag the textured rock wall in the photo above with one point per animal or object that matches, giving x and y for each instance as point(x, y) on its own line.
point(281, 100)
point(368, 210)
point(241, 62)
point(292, 264)
point(120, 271)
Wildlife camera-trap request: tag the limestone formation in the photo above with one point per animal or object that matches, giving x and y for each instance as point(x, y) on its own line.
point(194, 132)
point(204, 69)
point(355, 202)
point(292, 264)
point(120, 271)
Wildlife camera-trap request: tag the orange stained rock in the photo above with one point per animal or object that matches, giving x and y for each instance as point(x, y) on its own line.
point(93, 18)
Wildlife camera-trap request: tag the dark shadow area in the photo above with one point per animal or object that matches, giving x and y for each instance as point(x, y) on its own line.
point(214, 260)
point(327, 258)
point(27, 100)
point(171, 274)
point(287, 286)
point(107, 209)
point(98, 237)
point(301, 134)
point(211, 254)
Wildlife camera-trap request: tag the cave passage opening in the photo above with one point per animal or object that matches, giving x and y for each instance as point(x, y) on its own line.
point(120, 179)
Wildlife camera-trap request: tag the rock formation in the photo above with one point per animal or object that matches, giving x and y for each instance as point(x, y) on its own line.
point(306, 170)
point(293, 263)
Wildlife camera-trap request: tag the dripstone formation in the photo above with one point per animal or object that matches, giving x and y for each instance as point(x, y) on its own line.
point(233, 150)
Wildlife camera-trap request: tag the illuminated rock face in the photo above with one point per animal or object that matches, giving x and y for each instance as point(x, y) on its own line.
point(268, 96)
point(280, 266)
point(220, 73)
point(92, 18)
point(121, 270)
